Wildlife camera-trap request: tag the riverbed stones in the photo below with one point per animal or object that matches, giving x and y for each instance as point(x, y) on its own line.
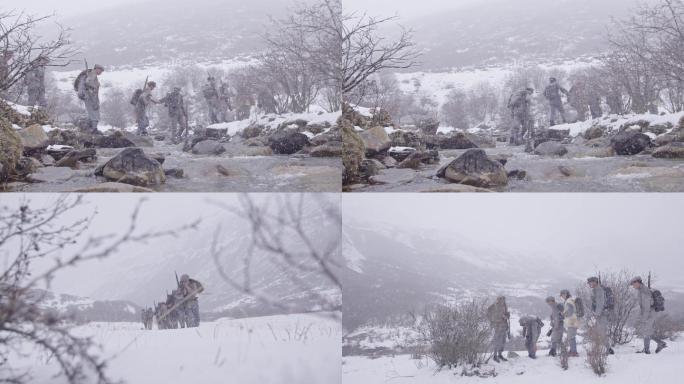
point(475, 168)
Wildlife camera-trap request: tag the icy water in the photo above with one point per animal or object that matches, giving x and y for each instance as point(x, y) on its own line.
point(640, 173)
point(248, 169)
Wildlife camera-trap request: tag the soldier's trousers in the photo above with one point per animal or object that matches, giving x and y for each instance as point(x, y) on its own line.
point(214, 112)
point(143, 123)
point(499, 339)
point(602, 329)
point(93, 112)
point(556, 338)
point(572, 339)
point(531, 343)
point(177, 121)
point(192, 313)
point(37, 97)
point(554, 111)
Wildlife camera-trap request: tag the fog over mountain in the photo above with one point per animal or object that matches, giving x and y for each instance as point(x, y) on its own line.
point(403, 254)
point(494, 32)
point(143, 274)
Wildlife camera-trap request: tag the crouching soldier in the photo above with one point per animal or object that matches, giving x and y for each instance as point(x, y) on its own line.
point(498, 317)
point(556, 331)
point(532, 326)
point(647, 316)
point(191, 289)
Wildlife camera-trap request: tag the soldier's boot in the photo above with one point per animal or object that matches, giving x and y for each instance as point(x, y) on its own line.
point(662, 345)
point(502, 358)
point(611, 351)
point(552, 352)
point(552, 123)
point(496, 358)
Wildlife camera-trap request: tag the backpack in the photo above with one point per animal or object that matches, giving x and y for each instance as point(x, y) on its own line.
point(610, 298)
point(579, 307)
point(516, 100)
point(658, 301)
point(81, 77)
point(136, 96)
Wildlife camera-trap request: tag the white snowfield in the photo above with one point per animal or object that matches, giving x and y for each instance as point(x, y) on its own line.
point(624, 367)
point(286, 349)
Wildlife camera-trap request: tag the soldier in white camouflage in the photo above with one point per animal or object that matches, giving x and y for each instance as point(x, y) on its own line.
point(35, 83)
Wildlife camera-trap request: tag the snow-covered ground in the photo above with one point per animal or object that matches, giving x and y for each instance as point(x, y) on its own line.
point(614, 122)
point(624, 367)
point(134, 77)
point(438, 85)
point(302, 349)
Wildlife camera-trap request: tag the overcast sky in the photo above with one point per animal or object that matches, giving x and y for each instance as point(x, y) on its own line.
point(62, 7)
point(639, 232)
point(406, 9)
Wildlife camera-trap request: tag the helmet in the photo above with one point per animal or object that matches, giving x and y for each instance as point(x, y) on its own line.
point(593, 279)
point(636, 279)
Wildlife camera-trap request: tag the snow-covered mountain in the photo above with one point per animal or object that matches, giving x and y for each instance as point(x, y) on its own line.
point(392, 271)
point(503, 31)
point(144, 275)
point(84, 310)
point(157, 31)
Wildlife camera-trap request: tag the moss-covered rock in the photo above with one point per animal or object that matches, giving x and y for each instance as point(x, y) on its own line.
point(10, 149)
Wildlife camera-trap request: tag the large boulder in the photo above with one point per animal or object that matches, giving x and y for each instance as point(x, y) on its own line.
point(551, 148)
point(287, 142)
point(208, 147)
point(429, 126)
point(416, 159)
point(34, 139)
point(215, 132)
point(475, 168)
point(458, 140)
point(353, 151)
point(139, 140)
point(670, 151)
point(630, 143)
point(72, 159)
point(10, 149)
point(402, 138)
point(252, 131)
point(376, 140)
point(133, 166)
point(115, 140)
point(332, 149)
point(594, 132)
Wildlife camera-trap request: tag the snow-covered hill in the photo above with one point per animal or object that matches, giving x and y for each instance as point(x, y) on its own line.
point(157, 31)
point(84, 310)
point(502, 31)
point(392, 271)
point(303, 349)
point(624, 367)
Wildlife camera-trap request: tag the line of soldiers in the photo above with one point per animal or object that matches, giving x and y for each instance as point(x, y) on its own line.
point(565, 319)
point(179, 310)
point(581, 97)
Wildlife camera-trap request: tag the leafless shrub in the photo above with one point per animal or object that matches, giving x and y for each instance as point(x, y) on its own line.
point(365, 52)
point(597, 356)
point(116, 109)
point(458, 334)
point(54, 237)
point(21, 48)
point(282, 234)
point(666, 327)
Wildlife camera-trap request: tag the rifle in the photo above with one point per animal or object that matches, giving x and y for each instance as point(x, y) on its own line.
point(86, 63)
point(177, 281)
